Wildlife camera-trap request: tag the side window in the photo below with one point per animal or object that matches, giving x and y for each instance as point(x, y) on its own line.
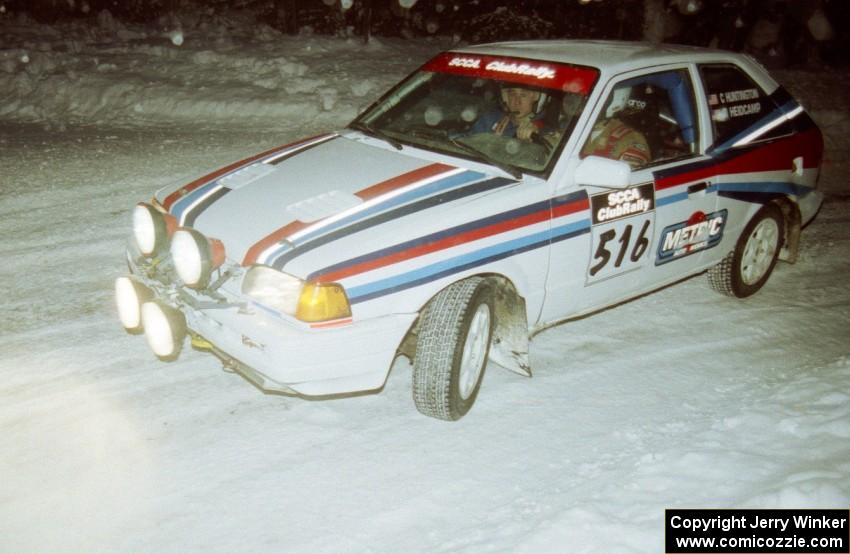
point(736, 103)
point(646, 120)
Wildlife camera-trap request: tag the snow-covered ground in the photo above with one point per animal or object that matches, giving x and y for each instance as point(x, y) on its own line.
point(682, 398)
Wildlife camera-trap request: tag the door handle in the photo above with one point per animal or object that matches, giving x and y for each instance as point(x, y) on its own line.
point(697, 187)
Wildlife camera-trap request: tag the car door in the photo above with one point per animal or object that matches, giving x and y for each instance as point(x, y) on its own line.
point(687, 221)
point(654, 230)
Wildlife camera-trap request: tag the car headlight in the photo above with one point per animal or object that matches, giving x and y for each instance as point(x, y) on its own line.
point(129, 296)
point(309, 302)
point(273, 288)
point(165, 329)
point(195, 256)
point(151, 229)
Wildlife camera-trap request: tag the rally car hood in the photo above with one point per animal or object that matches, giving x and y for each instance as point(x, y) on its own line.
point(260, 201)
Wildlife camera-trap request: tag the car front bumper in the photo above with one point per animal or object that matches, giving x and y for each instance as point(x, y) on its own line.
point(276, 352)
point(278, 356)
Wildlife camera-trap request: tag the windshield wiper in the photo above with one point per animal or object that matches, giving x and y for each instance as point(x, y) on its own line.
point(360, 126)
point(483, 156)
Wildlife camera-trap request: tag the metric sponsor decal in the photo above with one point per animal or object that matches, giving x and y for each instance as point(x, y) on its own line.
point(622, 228)
point(700, 232)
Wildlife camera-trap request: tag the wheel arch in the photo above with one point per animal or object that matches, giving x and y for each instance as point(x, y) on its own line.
point(792, 220)
point(510, 339)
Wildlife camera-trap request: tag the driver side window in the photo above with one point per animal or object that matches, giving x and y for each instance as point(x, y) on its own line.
point(646, 120)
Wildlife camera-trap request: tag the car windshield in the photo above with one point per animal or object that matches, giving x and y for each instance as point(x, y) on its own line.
point(509, 112)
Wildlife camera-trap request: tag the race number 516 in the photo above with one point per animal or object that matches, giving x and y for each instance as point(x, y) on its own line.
point(619, 246)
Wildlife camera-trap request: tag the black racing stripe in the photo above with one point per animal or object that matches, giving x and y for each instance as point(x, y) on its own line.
point(469, 265)
point(430, 202)
point(781, 97)
point(803, 122)
point(751, 197)
point(195, 212)
point(299, 150)
point(457, 230)
point(434, 237)
point(686, 168)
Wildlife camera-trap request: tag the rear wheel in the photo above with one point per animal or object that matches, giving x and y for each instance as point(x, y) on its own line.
point(452, 348)
point(746, 269)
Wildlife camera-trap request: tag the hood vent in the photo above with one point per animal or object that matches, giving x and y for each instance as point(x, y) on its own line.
point(323, 205)
point(246, 175)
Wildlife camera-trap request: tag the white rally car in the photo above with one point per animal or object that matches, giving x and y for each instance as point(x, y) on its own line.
point(450, 221)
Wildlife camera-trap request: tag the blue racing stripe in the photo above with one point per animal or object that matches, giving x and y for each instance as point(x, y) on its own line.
point(772, 187)
point(183, 204)
point(281, 257)
point(437, 186)
point(463, 262)
point(457, 230)
point(769, 187)
point(673, 198)
point(435, 237)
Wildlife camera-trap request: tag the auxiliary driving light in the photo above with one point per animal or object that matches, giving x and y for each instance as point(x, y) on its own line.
point(195, 256)
point(129, 296)
point(165, 329)
point(151, 229)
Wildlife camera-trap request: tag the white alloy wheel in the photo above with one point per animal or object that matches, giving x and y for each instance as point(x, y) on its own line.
point(474, 351)
point(760, 251)
point(746, 269)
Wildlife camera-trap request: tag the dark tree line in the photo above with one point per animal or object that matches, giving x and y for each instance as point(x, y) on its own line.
point(792, 30)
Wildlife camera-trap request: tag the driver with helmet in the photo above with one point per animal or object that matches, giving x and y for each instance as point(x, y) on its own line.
point(518, 119)
point(612, 138)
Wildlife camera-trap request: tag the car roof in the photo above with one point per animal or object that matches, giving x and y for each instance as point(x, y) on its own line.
point(612, 57)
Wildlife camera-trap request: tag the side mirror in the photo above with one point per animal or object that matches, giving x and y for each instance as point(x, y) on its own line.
point(603, 172)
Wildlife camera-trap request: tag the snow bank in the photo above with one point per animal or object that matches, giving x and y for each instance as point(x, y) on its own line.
point(213, 72)
point(229, 70)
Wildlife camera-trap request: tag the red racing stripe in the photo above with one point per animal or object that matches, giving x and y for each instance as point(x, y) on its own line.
point(571, 208)
point(277, 236)
point(402, 180)
point(775, 156)
point(455, 240)
point(366, 194)
point(331, 324)
point(184, 190)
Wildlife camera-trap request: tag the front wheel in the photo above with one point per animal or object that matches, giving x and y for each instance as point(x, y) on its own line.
point(452, 348)
point(746, 269)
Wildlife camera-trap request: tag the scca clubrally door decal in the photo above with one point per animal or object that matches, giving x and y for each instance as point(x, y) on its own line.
point(621, 231)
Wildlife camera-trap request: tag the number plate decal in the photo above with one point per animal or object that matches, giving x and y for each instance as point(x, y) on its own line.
point(622, 229)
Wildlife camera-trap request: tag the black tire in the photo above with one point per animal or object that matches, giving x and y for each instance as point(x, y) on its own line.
point(441, 388)
point(737, 274)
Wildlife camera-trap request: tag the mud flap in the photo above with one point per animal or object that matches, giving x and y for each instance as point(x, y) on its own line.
point(509, 347)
